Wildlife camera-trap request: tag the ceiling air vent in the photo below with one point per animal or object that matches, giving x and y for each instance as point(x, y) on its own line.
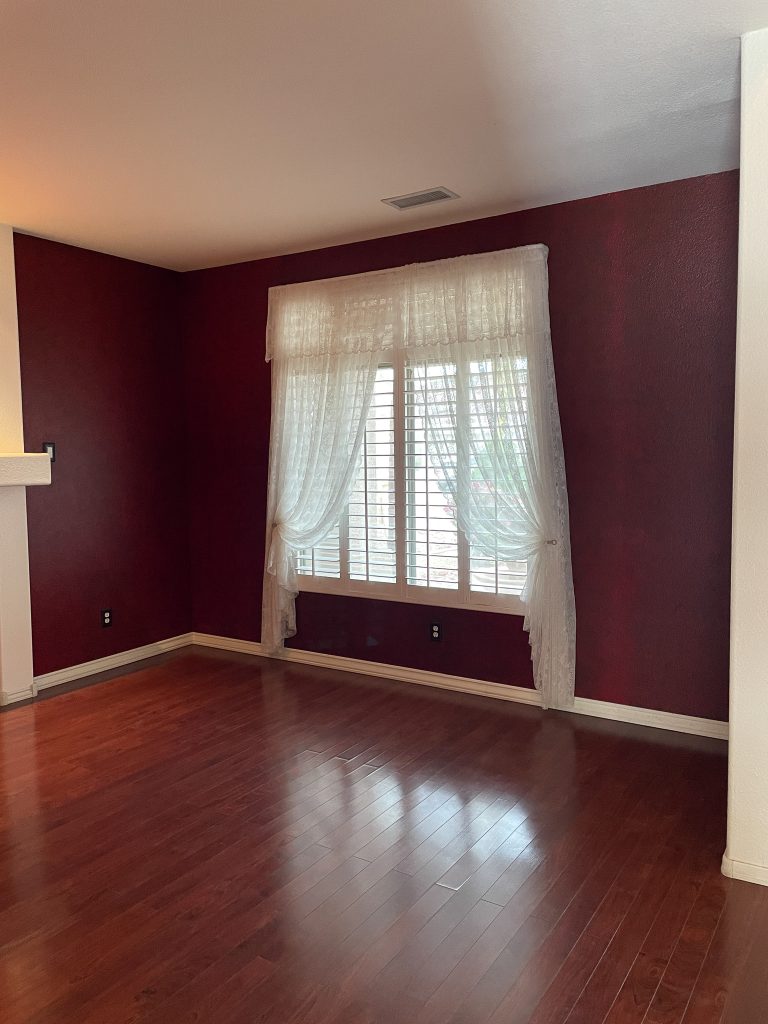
point(430, 195)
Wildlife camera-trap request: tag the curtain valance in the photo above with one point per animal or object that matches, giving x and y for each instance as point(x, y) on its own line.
point(485, 297)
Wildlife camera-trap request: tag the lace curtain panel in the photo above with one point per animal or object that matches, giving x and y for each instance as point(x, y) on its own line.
point(475, 334)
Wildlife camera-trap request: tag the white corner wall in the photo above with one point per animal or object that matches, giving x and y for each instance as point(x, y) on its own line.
point(15, 621)
point(747, 853)
point(11, 426)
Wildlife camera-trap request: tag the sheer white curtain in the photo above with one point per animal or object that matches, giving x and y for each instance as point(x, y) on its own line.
point(319, 407)
point(475, 331)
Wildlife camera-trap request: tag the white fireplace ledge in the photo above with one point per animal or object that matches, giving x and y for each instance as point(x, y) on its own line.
point(25, 469)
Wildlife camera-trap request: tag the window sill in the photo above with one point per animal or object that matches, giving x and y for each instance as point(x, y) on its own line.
point(429, 596)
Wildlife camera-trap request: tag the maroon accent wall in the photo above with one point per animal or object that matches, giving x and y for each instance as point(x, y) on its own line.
point(643, 309)
point(642, 299)
point(398, 634)
point(101, 376)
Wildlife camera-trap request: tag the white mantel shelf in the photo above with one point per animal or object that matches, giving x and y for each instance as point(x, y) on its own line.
point(25, 470)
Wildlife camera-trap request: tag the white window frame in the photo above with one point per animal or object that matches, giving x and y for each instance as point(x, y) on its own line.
point(400, 590)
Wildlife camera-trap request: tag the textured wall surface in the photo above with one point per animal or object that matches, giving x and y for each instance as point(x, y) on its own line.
point(154, 464)
point(101, 376)
point(643, 303)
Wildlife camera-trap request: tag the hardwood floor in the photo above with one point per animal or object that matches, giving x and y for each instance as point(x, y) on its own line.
point(220, 839)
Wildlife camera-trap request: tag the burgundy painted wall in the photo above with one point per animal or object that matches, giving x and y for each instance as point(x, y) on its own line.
point(643, 308)
point(101, 370)
point(643, 318)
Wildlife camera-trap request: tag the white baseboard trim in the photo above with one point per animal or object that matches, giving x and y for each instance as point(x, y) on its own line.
point(648, 716)
point(122, 658)
point(744, 871)
point(519, 694)
point(460, 684)
point(15, 696)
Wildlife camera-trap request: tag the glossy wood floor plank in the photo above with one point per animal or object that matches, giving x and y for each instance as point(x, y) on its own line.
point(218, 839)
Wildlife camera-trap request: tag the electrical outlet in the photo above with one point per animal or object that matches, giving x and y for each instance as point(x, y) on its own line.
point(106, 617)
point(436, 631)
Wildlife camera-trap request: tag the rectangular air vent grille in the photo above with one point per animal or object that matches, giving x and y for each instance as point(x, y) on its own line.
point(430, 195)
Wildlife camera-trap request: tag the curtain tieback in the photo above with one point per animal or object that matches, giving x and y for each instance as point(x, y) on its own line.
point(551, 541)
point(276, 550)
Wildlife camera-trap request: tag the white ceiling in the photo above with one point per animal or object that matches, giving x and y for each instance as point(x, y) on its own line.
point(190, 133)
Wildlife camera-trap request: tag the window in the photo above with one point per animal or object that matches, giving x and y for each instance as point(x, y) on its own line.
point(399, 537)
point(415, 450)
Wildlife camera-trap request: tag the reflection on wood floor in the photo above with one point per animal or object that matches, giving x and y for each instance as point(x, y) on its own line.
point(220, 839)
